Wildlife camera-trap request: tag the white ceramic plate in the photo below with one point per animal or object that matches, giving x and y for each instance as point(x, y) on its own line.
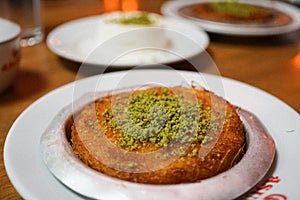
point(183, 40)
point(8, 30)
point(33, 180)
point(171, 9)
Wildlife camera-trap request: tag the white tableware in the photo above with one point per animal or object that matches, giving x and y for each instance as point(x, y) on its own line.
point(171, 8)
point(32, 179)
point(182, 41)
point(10, 52)
point(60, 159)
point(26, 13)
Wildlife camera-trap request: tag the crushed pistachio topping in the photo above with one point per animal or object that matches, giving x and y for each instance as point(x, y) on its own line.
point(138, 19)
point(132, 164)
point(157, 117)
point(236, 9)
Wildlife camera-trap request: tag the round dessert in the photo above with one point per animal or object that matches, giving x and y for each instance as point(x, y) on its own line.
point(159, 135)
point(236, 13)
point(127, 30)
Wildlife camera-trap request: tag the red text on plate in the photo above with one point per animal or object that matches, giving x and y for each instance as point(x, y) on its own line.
point(273, 180)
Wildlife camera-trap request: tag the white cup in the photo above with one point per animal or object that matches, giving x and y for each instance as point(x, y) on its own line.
point(26, 13)
point(10, 52)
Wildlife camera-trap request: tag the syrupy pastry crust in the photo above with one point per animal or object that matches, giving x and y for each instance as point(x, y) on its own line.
point(159, 135)
point(236, 13)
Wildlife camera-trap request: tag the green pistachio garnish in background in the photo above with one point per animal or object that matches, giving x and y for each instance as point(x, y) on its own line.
point(236, 9)
point(138, 19)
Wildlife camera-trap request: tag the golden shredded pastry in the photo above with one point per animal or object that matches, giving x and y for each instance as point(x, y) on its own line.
point(159, 135)
point(233, 12)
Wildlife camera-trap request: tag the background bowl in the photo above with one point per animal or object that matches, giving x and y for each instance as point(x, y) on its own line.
point(10, 52)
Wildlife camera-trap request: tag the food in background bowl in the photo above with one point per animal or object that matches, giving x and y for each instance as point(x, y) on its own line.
point(9, 52)
point(247, 169)
point(235, 12)
point(159, 135)
point(119, 32)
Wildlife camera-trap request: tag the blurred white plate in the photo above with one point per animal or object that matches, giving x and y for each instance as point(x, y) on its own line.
point(32, 179)
point(171, 9)
point(77, 41)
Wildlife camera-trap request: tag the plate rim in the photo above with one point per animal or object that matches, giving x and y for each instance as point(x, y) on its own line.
point(170, 9)
point(52, 39)
point(55, 147)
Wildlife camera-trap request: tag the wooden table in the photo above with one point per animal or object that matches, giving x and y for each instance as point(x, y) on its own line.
point(269, 63)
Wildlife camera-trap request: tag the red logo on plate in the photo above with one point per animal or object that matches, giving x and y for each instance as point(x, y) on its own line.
point(269, 184)
point(275, 197)
point(13, 63)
